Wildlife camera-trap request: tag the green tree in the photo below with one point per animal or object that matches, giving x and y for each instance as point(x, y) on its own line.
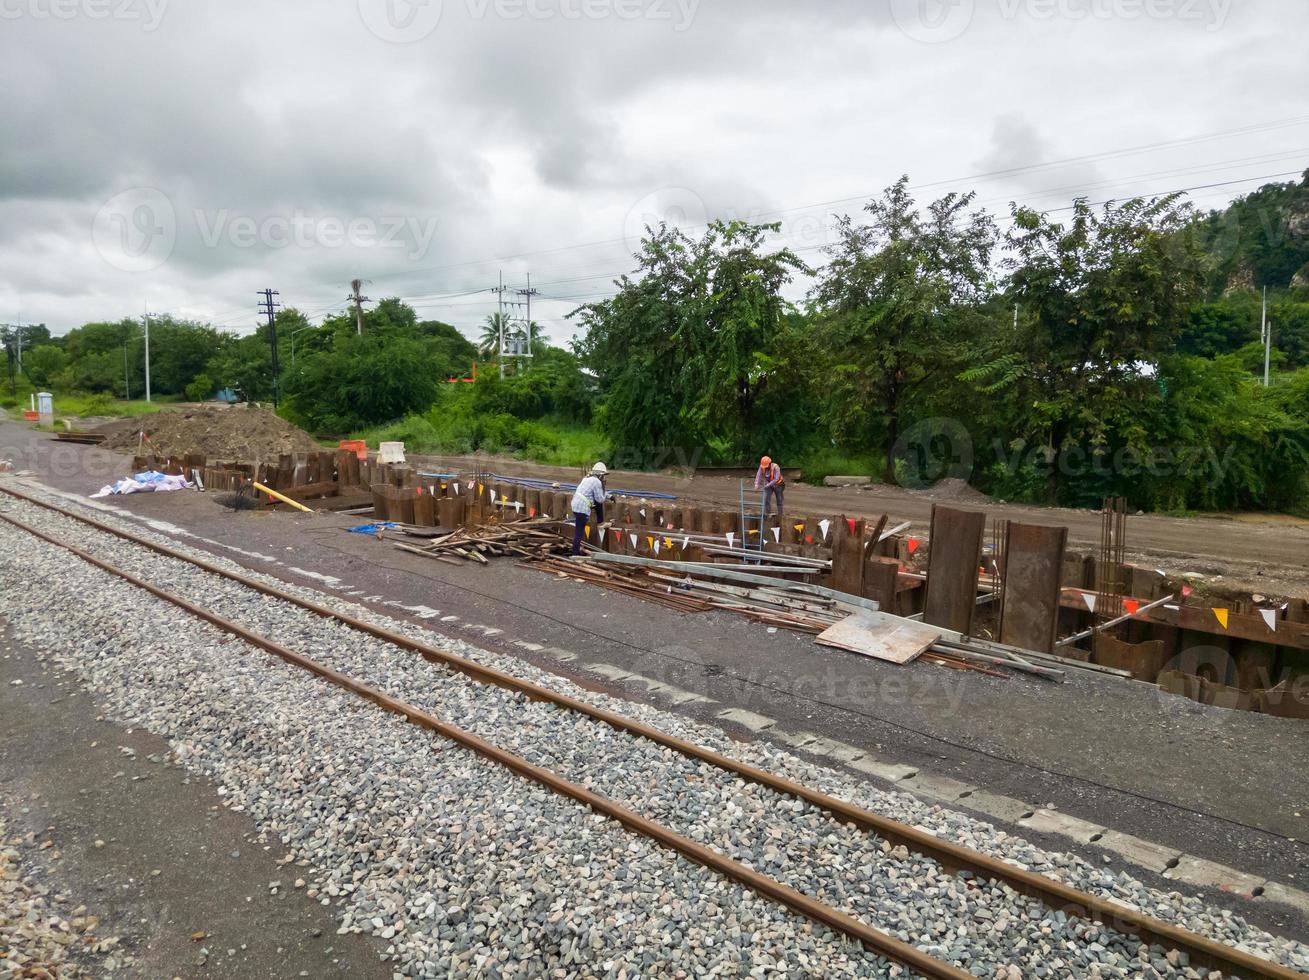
point(361, 381)
point(43, 365)
point(680, 352)
point(895, 303)
point(1103, 298)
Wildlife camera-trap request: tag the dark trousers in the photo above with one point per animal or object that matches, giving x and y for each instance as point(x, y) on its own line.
point(769, 493)
point(579, 530)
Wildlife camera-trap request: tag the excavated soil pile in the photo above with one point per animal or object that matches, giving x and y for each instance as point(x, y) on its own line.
point(236, 433)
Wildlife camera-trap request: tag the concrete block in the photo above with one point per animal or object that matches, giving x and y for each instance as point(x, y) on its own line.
point(994, 805)
point(839, 751)
point(563, 656)
point(747, 719)
point(889, 771)
point(937, 787)
point(847, 481)
point(1206, 874)
point(1143, 853)
point(609, 670)
point(1283, 895)
point(1054, 822)
point(794, 739)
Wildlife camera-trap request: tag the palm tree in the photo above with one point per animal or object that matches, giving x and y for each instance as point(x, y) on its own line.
point(489, 344)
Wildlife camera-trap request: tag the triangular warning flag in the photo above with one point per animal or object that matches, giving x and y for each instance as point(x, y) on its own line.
point(686, 541)
point(799, 528)
point(753, 530)
point(531, 511)
point(588, 532)
point(851, 522)
point(808, 539)
point(1270, 617)
point(470, 485)
point(1132, 606)
point(480, 488)
point(456, 488)
point(1186, 592)
point(1090, 600)
point(649, 541)
point(1221, 616)
point(518, 506)
point(642, 511)
point(731, 538)
point(633, 537)
point(823, 525)
point(777, 535)
point(914, 545)
point(617, 533)
point(656, 547)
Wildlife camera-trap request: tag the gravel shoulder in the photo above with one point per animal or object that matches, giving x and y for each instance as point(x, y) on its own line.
point(148, 847)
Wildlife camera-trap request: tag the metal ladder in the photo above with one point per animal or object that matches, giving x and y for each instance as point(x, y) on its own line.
point(758, 518)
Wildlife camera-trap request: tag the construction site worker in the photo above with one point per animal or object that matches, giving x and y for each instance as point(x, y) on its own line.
point(770, 479)
point(590, 494)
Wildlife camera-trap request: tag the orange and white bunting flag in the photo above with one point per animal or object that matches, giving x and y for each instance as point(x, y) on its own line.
point(1090, 600)
point(1221, 616)
point(531, 511)
point(914, 545)
point(633, 537)
point(777, 535)
point(1270, 617)
point(1132, 606)
point(731, 538)
point(823, 525)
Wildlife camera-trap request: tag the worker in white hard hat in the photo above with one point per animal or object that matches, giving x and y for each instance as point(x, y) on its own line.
point(590, 494)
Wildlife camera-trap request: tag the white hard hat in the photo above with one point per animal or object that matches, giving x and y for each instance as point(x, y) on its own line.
point(599, 469)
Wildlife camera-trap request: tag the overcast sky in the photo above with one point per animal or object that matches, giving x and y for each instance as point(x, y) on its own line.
point(185, 155)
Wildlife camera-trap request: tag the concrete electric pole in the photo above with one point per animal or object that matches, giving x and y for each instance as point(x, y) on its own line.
point(359, 301)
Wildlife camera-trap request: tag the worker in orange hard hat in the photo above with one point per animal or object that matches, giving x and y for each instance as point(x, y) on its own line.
point(770, 479)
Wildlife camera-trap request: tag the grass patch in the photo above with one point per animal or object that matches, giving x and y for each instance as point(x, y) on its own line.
point(828, 461)
point(79, 404)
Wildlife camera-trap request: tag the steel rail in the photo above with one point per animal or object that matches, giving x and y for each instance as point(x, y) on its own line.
point(1203, 952)
point(798, 902)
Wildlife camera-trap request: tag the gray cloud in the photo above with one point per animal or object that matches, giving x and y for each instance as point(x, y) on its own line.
point(506, 130)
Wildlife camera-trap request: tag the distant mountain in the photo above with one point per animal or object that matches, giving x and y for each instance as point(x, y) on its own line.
point(1262, 239)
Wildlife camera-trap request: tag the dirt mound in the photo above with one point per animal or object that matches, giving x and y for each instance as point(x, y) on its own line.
point(237, 433)
point(957, 490)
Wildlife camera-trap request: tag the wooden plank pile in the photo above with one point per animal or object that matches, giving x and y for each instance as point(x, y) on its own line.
point(531, 540)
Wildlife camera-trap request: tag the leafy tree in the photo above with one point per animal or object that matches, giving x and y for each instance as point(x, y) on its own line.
point(1103, 297)
point(200, 389)
point(895, 303)
point(245, 366)
point(43, 365)
point(680, 350)
point(361, 381)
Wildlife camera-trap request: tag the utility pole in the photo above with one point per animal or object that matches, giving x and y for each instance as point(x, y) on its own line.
point(529, 292)
point(1266, 331)
point(359, 301)
point(146, 318)
point(268, 306)
point(500, 322)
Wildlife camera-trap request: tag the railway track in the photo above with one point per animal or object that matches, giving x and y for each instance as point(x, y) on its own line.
point(839, 911)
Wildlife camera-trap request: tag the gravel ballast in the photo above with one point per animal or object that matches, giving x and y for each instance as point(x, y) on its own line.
point(982, 926)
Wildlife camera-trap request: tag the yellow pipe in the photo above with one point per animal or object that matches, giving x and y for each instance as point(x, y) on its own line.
point(286, 500)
